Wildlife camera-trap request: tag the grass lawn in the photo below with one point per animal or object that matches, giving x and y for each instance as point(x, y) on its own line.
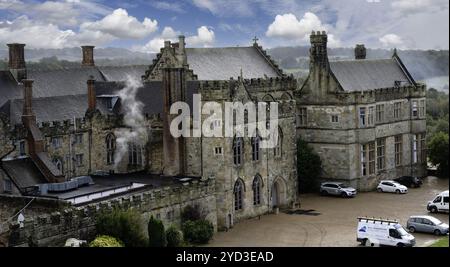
point(443, 243)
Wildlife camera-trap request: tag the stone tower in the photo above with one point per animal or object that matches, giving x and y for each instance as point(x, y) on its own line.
point(319, 65)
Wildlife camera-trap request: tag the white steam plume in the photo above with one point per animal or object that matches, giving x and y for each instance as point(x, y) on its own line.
point(136, 131)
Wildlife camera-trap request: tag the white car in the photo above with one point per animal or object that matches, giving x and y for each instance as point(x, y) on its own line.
point(439, 204)
point(392, 187)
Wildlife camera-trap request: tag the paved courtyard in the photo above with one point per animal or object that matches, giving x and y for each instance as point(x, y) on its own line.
point(333, 222)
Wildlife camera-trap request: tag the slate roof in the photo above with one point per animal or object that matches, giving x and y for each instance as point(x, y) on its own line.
point(224, 63)
point(23, 172)
point(361, 75)
point(48, 109)
point(123, 72)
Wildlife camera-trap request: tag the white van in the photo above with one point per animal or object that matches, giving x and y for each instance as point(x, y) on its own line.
point(439, 204)
point(377, 232)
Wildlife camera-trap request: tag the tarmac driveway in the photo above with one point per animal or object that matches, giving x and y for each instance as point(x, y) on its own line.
point(331, 221)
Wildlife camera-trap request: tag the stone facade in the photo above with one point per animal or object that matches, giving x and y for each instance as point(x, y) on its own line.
point(365, 135)
point(53, 229)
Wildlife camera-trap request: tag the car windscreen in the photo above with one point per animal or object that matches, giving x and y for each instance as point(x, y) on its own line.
point(435, 221)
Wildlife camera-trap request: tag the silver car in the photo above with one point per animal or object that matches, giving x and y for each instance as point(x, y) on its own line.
point(427, 224)
point(337, 189)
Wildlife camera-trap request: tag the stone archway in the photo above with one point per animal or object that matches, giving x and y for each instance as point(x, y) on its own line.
point(279, 194)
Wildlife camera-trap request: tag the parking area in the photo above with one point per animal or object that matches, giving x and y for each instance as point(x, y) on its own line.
point(332, 221)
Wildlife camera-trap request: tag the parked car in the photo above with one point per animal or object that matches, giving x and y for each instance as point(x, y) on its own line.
point(409, 181)
point(427, 224)
point(392, 187)
point(377, 232)
point(439, 204)
point(337, 189)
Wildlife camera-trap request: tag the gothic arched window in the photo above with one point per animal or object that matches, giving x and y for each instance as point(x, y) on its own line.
point(238, 151)
point(257, 188)
point(110, 148)
point(134, 154)
point(238, 195)
point(256, 147)
point(278, 150)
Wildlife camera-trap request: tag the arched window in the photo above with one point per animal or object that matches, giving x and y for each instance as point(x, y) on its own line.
point(278, 150)
point(256, 147)
point(257, 188)
point(58, 164)
point(110, 149)
point(238, 151)
point(238, 195)
point(134, 154)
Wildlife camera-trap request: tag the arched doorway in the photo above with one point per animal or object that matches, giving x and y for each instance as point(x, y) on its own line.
point(278, 193)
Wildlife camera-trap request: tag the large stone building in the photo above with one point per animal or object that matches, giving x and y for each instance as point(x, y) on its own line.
point(109, 127)
point(365, 118)
point(101, 134)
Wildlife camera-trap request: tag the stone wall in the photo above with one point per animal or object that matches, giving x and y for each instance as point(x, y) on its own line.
point(49, 230)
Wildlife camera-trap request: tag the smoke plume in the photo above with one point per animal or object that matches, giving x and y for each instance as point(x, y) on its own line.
point(136, 130)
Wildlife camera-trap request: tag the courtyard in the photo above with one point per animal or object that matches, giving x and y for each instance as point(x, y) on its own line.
point(331, 221)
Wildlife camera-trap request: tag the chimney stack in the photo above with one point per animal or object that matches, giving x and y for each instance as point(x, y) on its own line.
point(28, 117)
point(319, 52)
point(360, 51)
point(174, 86)
point(181, 53)
point(92, 97)
point(88, 56)
point(16, 63)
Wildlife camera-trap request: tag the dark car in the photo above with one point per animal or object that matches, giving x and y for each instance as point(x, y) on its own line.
point(409, 181)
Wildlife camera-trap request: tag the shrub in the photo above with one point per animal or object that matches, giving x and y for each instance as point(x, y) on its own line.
point(156, 233)
point(105, 241)
point(198, 232)
point(123, 225)
point(309, 167)
point(191, 213)
point(174, 237)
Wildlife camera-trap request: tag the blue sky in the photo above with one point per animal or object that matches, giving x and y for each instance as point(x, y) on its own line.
point(144, 25)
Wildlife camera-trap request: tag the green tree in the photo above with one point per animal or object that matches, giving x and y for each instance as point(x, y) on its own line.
point(123, 225)
point(105, 241)
point(198, 232)
point(438, 152)
point(174, 237)
point(191, 213)
point(156, 233)
point(309, 167)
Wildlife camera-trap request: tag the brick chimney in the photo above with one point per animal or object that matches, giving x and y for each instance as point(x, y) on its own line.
point(16, 63)
point(360, 51)
point(28, 117)
point(88, 56)
point(92, 97)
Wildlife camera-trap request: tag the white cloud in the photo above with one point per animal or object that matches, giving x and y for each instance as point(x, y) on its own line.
point(121, 25)
point(61, 13)
point(226, 8)
point(35, 35)
point(155, 44)
point(169, 6)
point(391, 40)
point(287, 26)
point(409, 7)
point(205, 37)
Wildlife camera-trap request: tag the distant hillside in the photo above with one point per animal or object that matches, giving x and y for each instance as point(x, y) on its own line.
point(423, 65)
point(103, 56)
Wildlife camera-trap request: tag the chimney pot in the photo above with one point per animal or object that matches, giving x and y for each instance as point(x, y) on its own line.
point(88, 56)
